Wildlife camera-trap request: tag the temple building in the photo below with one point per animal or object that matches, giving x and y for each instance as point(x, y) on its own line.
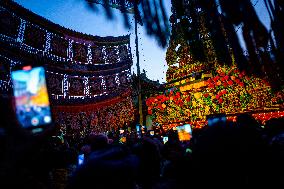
point(88, 77)
point(148, 88)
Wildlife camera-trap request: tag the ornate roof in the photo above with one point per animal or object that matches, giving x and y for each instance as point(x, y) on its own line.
point(26, 14)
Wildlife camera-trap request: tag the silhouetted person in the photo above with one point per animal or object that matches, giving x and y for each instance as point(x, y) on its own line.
point(274, 127)
point(98, 141)
point(20, 165)
point(112, 168)
point(275, 138)
point(230, 156)
point(150, 158)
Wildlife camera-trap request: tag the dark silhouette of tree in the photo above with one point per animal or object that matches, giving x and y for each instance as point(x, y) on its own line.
point(151, 13)
point(264, 55)
point(275, 9)
point(264, 48)
point(214, 25)
point(257, 38)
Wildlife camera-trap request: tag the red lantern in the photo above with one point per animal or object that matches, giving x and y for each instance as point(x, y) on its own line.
point(211, 86)
point(230, 82)
point(188, 99)
point(224, 91)
point(216, 78)
point(206, 95)
point(237, 80)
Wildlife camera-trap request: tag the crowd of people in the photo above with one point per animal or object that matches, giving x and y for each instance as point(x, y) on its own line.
point(236, 154)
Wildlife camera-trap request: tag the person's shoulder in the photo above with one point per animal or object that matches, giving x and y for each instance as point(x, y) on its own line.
point(278, 139)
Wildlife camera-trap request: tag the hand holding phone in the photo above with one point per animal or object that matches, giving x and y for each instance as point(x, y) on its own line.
point(165, 139)
point(81, 159)
point(31, 98)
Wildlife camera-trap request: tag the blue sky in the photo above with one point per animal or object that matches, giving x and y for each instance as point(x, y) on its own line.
point(75, 14)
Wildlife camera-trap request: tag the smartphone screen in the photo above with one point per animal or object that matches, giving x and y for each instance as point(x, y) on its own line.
point(121, 131)
point(165, 139)
point(217, 120)
point(31, 97)
point(80, 159)
point(122, 140)
point(184, 132)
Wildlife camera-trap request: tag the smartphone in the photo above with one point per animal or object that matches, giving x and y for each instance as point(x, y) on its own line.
point(122, 140)
point(31, 97)
point(121, 131)
point(137, 128)
point(81, 158)
point(165, 139)
point(184, 132)
point(217, 120)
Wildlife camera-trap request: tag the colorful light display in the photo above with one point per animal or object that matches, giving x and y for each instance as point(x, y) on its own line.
point(202, 86)
point(228, 91)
